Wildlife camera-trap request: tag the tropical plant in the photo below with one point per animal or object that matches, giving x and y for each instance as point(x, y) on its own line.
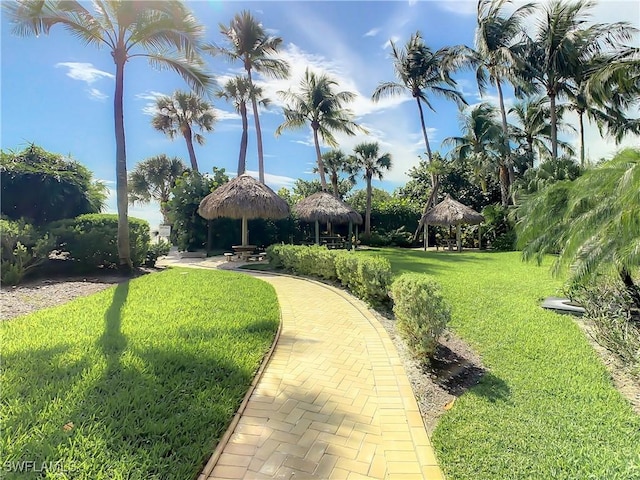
point(249, 43)
point(43, 186)
point(178, 114)
point(236, 90)
point(164, 32)
point(480, 147)
point(547, 173)
point(593, 222)
point(561, 45)
point(495, 38)
point(533, 130)
point(153, 179)
point(336, 162)
point(420, 71)
point(367, 158)
point(322, 107)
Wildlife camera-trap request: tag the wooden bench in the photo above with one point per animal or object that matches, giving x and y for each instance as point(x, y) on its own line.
point(230, 256)
point(255, 257)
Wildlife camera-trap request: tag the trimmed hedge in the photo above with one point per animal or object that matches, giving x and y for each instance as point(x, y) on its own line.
point(421, 313)
point(91, 240)
point(367, 277)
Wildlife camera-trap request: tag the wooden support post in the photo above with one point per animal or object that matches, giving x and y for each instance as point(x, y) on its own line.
point(317, 232)
point(349, 235)
point(458, 238)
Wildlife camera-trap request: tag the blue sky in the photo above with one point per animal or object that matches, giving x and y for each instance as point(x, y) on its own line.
point(58, 93)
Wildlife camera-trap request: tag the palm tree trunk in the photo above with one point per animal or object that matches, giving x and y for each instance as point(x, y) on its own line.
point(505, 133)
point(504, 188)
point(435, 183)
point(124, 252)
point(192, 153)
point(323, 180)
point(424, 130)
point(244, 140)
point(554, 126)
point(334, 184)
point(581, 125)
point(367, 213)
point(631, 287)
point(256, 118)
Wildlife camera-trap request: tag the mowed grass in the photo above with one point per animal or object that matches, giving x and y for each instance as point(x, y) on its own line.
point(547, 408)
point(136, 382)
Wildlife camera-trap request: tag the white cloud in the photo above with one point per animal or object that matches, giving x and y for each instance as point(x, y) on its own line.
point(412, 2)
point(274, 181)
point(372, 33)
point(387, 44)
point(85, 72)
point(96, 94)
point(459, 7)
point(222, 115)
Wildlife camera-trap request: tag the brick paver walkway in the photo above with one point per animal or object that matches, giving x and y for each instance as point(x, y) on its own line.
point(333, 402)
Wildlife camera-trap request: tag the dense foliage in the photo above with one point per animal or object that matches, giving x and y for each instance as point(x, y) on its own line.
point(24, 248)
point(41, 186)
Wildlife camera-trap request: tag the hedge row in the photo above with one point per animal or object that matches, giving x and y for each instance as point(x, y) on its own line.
point(369, 278)
point(421, 312)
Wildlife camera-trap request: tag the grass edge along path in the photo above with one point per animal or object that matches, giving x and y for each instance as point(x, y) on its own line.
point(138, 381)
point(547, 408)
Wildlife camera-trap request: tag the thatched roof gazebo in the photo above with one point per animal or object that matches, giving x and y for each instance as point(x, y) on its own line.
point(450, 212)
point(246, 198)
point(324, 207)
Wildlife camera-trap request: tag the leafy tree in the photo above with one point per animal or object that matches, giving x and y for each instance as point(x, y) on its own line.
point(164, 32)
point(179, 114)
point(249, 42)
point(305, 188)
point(236, 90)
point(318, 104)
point(358, 199)
point(495, 37)
point(547, 173)
point(420, 71)
point(367, 158)
point(479, 147)
point(593, 222)
point(560, 47)
point(153, 179)
point(43, 186)
point(336, 162)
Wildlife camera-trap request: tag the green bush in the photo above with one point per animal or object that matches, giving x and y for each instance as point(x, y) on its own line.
point(498, 229)
point(421, 313)
point(91, 240)
point(23, 249)
point(156, 250)
point(367, 277)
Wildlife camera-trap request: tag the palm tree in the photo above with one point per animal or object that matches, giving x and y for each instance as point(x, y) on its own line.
point(593, 222)
point(533, 129)
point(560, 46)
point(179, 114)
point(250, 43)
point(494, 40)
point(164, 32)
point(319, 104)
point(335, 162)
point(238, 91)
point(153, 179)
point(420, 71)
point(480, 144)
point(367, 157)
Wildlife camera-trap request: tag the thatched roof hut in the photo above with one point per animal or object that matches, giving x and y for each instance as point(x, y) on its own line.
point(451, 212)
point(246, 198)
point(325, 208)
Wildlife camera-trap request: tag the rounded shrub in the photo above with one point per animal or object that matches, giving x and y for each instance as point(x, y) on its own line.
point(421, 313)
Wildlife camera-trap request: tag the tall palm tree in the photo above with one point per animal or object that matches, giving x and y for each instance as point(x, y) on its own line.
point(495, 37)
point(533, 129)
point(164, 32)
point(420, 71)
point(561, 44)
point(178, 114)
point(322, 107)
point(479, 146)
point(336, 162)
point(153, 179)
point(237, 90)
point(367, 157)
point(249, 42)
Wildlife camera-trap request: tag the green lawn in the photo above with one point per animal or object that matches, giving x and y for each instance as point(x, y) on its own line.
point(138, 381)
point(547, 409)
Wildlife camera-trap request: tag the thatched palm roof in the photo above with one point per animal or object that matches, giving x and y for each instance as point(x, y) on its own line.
point(324, 207)
point(243, 196)
point(450, 212)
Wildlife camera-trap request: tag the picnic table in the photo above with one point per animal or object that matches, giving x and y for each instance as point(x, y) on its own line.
point(332, 242)
point(243, 252)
